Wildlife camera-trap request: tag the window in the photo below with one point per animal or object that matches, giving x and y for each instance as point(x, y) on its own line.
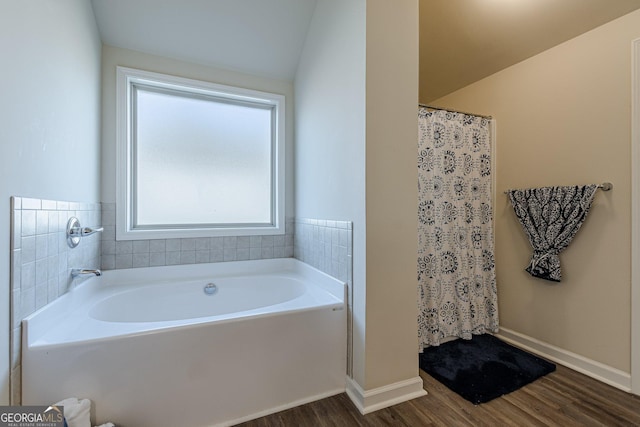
point(197, 159)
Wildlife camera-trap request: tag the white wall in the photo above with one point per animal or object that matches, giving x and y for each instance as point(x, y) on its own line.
point(356, 135)
point(330, 135)
point(49, 117)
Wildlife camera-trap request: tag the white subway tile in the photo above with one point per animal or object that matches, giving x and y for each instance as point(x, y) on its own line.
point(202, 256)
point(28, 203)
point(140, 260)
point(16, 202)
point(335, 236)
point(42, 222)
point(202, 244)
point(255, 241)
point(52, 288)
point(28, 302)
point(216, 255)
point(28, 223)
point(124, 247)
point(41, 271)
point(108, 218)
point(108, 262)
point(255, 253)
point(52, 243)
point(109, 233)
point(157, 259)
point(16, 268)
point(42, 294)
point(42, 246)
point(229, 253)
point(243, 242)
point(279, 241)
point(28, 248)
point(52, 266)
point(140, 246)
point(188, 257)
point(188, 245)
point(243, 254)
point(63, 244)
point(267, 252)
point(49, 205)
point(75, 258)
point(28, 276)
point(173, 257)
point(173, 245)
point(216, 243)
point(124, 260)
point(108, 247)
point(157, 246)
point(16, 230)
point(343, 237)
point(62, 262)
point(230, 242)
point(266, 242)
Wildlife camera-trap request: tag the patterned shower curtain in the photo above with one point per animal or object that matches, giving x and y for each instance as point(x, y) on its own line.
point(457, 293)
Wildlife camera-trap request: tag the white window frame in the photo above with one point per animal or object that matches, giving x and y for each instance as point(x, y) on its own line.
point(126, 79)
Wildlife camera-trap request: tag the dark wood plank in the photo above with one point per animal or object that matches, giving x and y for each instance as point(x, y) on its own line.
point(562, 398)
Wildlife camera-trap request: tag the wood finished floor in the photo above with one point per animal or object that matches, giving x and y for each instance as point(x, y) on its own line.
point(562, 398)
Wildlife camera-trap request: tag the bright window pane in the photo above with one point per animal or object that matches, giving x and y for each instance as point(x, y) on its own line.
point(199, 160)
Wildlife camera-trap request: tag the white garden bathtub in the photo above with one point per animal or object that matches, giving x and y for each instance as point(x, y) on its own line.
point(151, 348)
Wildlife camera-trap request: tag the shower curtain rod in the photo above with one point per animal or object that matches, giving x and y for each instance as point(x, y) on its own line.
point(605, 186)
point(455, 111)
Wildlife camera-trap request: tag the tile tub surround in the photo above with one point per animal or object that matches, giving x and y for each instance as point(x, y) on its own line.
point(328, 246)
point(41, 261)
point(325, 245)
point(159, 252)
point(38, 239)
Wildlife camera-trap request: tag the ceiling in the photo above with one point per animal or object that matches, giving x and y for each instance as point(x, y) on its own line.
point(253, 36)
point(463, 41)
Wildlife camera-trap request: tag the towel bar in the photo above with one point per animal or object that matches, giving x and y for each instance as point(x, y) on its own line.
point(605, 186)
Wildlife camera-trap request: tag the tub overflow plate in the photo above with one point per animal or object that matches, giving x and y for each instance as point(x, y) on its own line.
point(210, 288)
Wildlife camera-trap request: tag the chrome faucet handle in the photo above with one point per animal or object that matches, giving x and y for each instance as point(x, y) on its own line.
point(75, 231)
point(88, 231)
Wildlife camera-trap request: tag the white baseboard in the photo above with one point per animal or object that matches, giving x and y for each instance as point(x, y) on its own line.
point(599, 371)
point(382, 397)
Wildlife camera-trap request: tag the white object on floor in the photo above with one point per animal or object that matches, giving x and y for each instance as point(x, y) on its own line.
point(77, 412)
point(106, 425)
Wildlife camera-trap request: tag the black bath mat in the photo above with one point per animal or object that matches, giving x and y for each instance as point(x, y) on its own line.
point(482, 368)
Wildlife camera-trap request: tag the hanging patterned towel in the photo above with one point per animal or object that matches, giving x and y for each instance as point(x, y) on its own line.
point(551, 217)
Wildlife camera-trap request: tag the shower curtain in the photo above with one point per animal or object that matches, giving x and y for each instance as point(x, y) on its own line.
point(457, 293)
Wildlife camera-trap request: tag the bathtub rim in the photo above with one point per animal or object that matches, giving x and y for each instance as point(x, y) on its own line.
point(39, 323)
